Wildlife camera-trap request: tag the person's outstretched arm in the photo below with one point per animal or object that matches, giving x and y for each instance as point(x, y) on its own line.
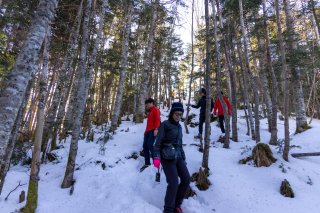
point(198, 105)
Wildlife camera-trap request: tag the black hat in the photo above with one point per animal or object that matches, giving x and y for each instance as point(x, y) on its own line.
point(149, 100)
point(176, 106)
point(203, 90)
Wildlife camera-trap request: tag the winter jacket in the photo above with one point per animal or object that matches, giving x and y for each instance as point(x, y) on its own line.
point(202, 105)
point(170, 132)
point(218, 106)
point(153, 119)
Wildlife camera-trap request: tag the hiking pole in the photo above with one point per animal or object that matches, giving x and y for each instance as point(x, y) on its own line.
point(158, 175)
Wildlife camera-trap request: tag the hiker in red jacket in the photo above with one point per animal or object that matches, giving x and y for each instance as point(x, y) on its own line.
point(218, 106)
point(150, 134)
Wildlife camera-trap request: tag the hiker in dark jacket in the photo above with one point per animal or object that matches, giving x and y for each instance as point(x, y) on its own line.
point(202, 105)
point(170, 135)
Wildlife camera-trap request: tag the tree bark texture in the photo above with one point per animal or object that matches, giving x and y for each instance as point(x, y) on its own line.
point(205, 160)
point(11, 97)
point(57, 106)
point(147, 65)
point(123, 66)
point(285, 75)
point(81, 100)
point(301, 119)
point(248, 70)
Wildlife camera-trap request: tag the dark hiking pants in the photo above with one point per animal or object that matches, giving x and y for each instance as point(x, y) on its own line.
point(201, 121)
point(148, 142)
point(221, 122)
point(175, 192)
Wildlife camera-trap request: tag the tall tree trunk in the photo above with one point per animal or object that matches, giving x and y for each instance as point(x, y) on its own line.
point(205, 160)
point(136, 91)
point(191, 73)
point(245, 96)
point(224, 105)
point(316, 19)
point(123, 66)
point(60, 95)
point(285, 74)
point(301, 119)
point(248, 70)
point(147, 65)
point(32, 197)
point(11, 97)
point(81, 100)
point(232, 79)
point(71, 99)
point(264, 80)
point(93, 55)
point(274, 94)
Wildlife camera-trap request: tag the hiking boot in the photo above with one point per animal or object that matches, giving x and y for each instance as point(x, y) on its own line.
point(144, 167)
point(178, 210)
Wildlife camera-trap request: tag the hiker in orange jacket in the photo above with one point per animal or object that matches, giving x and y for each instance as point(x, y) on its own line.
point(218, 107)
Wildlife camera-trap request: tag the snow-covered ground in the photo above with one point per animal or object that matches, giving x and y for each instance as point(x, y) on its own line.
point(121, 188)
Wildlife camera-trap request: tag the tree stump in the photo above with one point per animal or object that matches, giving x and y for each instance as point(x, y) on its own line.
point(262, 155)
point(285, 189)
point(201, 179)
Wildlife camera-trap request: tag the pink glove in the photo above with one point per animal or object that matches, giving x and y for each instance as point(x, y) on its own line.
point(156, 162)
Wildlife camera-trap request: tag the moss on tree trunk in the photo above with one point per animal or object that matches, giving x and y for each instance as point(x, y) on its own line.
point(32, 198)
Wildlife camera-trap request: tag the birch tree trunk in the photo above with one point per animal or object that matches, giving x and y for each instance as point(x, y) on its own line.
point(191, 73)
point(81, 100)
point(301, 119)
point(147, 65)
point(274, 94)
point(248, 70)
point(32, 197)
point(11, 97)
point(285, 74)
point(224, 105)
point(123, 66)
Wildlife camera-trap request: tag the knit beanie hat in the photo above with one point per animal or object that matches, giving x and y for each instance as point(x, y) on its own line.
point(176, 106)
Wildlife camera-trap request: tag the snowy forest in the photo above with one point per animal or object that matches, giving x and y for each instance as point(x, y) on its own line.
point(80, 80)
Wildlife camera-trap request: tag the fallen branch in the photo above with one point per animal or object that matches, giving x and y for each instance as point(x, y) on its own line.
point(83, 164)
point(297, 155)
point(14, 190)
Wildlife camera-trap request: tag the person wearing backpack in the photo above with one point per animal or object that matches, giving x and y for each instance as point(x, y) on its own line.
point(169, 151)
point(150, 134)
